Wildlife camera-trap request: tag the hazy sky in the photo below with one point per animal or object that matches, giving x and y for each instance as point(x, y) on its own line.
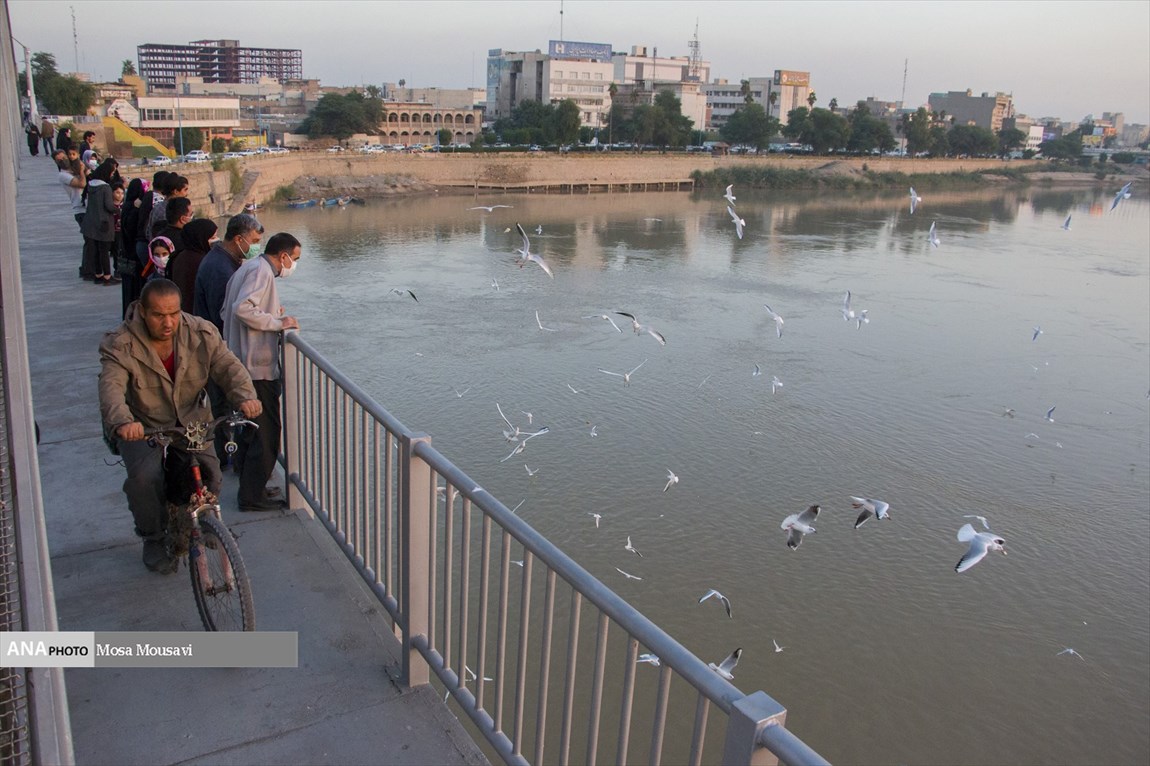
point(1059, 59)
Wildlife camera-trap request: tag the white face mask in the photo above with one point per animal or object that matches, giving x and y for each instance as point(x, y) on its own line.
point(286, 271)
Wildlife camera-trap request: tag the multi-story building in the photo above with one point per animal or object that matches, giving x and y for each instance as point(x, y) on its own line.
point(789, 89)
point(723, 98)
point(419, 122)
point(985, 111)
point(445, 98)
point(215, 61)
point(642, 69)
point(581, 72)
point(692, 100)
point(161, 116)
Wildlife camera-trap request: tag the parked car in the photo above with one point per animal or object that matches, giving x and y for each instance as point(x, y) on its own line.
point(334, 149)
point(233, 155)
point(197, 155)
point(159, 160)
point(277, 150)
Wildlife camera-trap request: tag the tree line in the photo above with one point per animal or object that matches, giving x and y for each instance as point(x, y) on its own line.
point(59, 93)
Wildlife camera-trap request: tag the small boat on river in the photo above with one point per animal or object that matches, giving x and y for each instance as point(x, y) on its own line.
point(301, 203)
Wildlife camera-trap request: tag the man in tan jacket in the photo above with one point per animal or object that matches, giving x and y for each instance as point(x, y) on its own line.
point(153, 371)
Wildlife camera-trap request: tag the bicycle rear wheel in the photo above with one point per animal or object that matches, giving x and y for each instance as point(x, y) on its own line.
point(221, 586)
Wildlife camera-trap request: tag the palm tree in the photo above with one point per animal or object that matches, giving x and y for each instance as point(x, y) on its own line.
point(745, 91)
point(127, 68)
point(772, 97)
point(612, 90)
point(834, 105)
point(811, 98)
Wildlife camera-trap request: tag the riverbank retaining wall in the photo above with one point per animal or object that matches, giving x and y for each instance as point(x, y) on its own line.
point(384, 174)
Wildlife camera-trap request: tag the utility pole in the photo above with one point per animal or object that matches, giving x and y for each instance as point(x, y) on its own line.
point(75, 39)
point(560, 20)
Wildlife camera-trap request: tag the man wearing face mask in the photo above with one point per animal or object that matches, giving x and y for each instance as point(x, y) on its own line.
point(241, 240)
point(253, 325)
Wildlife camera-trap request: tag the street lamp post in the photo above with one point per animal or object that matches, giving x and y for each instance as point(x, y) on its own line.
point(179, 119)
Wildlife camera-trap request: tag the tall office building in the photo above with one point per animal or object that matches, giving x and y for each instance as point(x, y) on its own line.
point(215, 61)
point(577, 71)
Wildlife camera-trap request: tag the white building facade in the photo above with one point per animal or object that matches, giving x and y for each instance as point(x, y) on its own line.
point(581, 72)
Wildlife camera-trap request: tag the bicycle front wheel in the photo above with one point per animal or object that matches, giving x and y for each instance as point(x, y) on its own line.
point(219, 580)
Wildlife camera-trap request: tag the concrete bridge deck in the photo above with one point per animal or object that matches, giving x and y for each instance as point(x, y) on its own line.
point(341, 705)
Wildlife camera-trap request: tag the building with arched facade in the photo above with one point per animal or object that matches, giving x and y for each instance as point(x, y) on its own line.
point(417, 122)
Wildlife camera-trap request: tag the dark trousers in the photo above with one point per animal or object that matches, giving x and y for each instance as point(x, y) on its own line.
point(47, 141)
point(147, 490)
point(260, 447)
point(97, 258)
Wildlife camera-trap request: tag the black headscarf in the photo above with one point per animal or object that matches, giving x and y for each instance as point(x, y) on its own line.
point(197, 233)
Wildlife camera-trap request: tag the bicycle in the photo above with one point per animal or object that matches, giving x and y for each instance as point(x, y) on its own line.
point(196, 529)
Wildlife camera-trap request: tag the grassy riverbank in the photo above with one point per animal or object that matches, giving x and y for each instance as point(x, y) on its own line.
point(841, 176)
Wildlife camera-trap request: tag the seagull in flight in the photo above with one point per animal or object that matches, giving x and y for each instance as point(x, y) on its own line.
point(876, 508)
point(459, 393)
point(399, 292)
point(739, 222)
point(594, 431)
point(799, 524)
point(712, 593)
point(1066, 224)
point(626, 376)
point(604, 316)
point(632, 548)
point(757, 371)
point(575, 390)
point(778, 320)
point(1123, 193)
point(540, 323)
point(650, 659)
point(641, 328)
point(1037, 332)
point(985, 523)
point(530, 417)
point(1050, 414)
point(726, 667)
point(527, 255)
point(914, 200)
point(777, 647)
point(628, 575)
point(488, 208)
point(495, 283)
point(529, 471)
point(775, 383)
point(849, 314)
point(932, 235)
point(514, 432)
point(1071, 652)
point(671, 479)
point(539, 229)
point(598, 517)
point(728, 196)
point(1008, 413)
point(981, 543)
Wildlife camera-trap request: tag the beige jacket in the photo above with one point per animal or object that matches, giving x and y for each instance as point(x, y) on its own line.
point(134, 386)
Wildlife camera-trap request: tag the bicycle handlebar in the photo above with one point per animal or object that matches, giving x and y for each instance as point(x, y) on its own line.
point(196, 434)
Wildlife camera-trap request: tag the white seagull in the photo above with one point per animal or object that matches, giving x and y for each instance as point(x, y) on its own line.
point(1037, 332)
point(671, 479)
point(1070, 651)
point(530, 417)
point(604, 316)
point(756, 372)
point(640, 328)
point(726, 667)
point(739, 222)
point(799, 524)
point(629, 547)
point(529, 471)
point(876, 508)
point(932, 236)
point(981, 543)
point(1066, 224)
point(488, 208)
point(495, 283)
point(712, 593)
point(914, 200)
point(849, 314)
point(626, 376)
point(594, 431)
point(527, 255)
point(775, 383)
point(777, 647)
point(539, 229)
point(459, 393)
point(728, 196)
point(399, 292)
point(649, 658)
point(778, 320)
point(575, 390)
point(598, 517)
point(539, 322)
point(1123, 193)
point(513, 433)
point(1050, 414)
point(628, 575)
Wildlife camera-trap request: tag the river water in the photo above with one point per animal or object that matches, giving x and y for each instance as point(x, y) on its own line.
point(889, 655)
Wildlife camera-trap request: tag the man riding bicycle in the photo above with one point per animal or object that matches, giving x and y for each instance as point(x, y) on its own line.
point(153, 372)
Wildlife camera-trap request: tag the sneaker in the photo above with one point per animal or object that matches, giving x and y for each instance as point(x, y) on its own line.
point(157, 558)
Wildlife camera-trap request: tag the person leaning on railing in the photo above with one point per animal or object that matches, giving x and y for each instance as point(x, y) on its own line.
point(154, 369)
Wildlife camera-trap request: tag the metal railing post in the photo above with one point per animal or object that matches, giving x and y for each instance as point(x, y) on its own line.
point(293, 436)
point(749, 716)
point(416, 510)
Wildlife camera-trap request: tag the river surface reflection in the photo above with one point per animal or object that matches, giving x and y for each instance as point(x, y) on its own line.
point(890, 656)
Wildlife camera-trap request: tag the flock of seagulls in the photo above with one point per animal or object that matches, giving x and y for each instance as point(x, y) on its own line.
point(796, 525)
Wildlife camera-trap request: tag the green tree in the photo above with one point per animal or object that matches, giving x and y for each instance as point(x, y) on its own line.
point(564, 123)
point(939, 144)
point(187, 139)
point(1010, 139)
point(972, 141)
point(672, 127)
point(219, 145)
point(750, 125)
point(834, 105)
point(60, 94)
point(444, 136)
point(916, 131)
point(373, 91)
point(811, 99)
point(127, 68)
point(342, 116)
point(867, 132)
point(745, 91)
point(819, 128)
point(1067, 147)
point(612, 90)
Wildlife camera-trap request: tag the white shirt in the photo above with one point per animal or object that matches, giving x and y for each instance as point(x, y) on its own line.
point(74, 194)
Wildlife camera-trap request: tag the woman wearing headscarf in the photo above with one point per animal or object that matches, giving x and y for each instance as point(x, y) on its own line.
point(130, 263)
point(64, 138)
point(98, 226)
point(182, 269)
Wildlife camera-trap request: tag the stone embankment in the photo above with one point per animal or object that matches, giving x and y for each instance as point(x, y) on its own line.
point(311, 174)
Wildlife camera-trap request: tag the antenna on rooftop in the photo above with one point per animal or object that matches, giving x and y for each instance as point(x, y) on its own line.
point(902, 98)
point(560, 20)
point(696, 58)
point(75, 38)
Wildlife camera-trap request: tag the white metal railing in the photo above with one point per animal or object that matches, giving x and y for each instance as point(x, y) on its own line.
point(540, 654)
